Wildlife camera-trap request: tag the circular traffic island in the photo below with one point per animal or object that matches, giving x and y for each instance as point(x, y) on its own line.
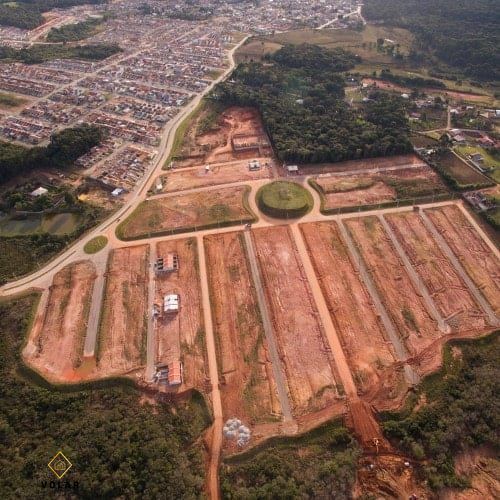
point(284, 200)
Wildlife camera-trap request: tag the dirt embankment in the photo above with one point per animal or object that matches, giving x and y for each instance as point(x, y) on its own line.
point(303, 349)
point(368, 352)
point(59, 344)
point(248, 387)
point(181, 336)
point(122, 333)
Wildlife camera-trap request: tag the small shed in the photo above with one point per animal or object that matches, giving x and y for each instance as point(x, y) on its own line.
point(175, 373)
point(292, 169)
point(171, 303)
point(167, 264)
point(39, 192)
point(254, 165)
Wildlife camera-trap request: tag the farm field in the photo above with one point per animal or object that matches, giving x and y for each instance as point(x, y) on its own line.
point(474, 255)
point(246, 373)
point(369, 353)
point(122, 331)
point(449, 293)
point(403, 303)
point(181, 213)
point(303, 348)
point(403, 183)
point(57, 347)
point(460, 171)
point(214, 133)
point(219, 173)
point(181, 337)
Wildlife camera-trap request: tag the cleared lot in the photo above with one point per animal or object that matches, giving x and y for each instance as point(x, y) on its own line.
point(122, 332)
point(181, 336)
point(176, 214)
point(59, 343)
point(474, 254)
point(369, 354)
point(248, 387)
point(303, 348)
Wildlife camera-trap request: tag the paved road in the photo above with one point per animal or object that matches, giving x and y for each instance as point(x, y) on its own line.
point(485, 306)
point(415, 278)
point(279, 378)
point(399, 347)
point(213, 476)
point(96, 303)
point(151, 333)
point(344, 372)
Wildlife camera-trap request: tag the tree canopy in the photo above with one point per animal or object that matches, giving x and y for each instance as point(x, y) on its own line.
point(300, 94)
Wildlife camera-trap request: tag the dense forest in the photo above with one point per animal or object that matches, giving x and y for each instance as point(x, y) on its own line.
point(119, 447)
point(36, 54)
point(320, 464)
point(462, 411)
point(63, 149)
point(461, 33)
point(300, 94)
point(27, 14)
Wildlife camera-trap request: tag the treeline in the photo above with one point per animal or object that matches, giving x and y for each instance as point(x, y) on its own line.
point(36, 54)
point(300, 94)
point(460, 33)
point(119, 447)
point(74, 32)
point(27, 14)
point(64, 148)
point(461, 411)
point(411, 81)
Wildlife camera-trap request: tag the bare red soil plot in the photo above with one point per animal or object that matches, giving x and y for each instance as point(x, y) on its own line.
point(122, 332)
point(371, 189)
point(236, 134)
point(58, 349)
point(186, 212)
point(449, 293)
point(400, 298)
point(352, 311)
point(360, 166)
point(181, 336)
point(248, 387)
point(303, 348)
point(472, 251)
point(219, 173)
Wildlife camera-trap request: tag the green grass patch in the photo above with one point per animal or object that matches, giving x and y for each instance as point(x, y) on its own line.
point(284, 200)
point(10, 101)
point(95, 244)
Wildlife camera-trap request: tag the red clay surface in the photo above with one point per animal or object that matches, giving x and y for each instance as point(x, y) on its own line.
point(371, 189)
point(474, 254)
point(122, 334)
point(219, 173)
point(303, 348)
point(402, 302)
point(181, 336)
point(449, 293)
point(183, 212)
point(368, 352)
point(59, 342)
point(247, 380)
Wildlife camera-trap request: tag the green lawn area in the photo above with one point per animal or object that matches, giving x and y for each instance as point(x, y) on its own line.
point(283, 199)
point(10, 101)
point(489, 160)
point(95, 244)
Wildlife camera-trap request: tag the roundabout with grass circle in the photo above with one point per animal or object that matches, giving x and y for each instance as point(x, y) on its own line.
point(284, 200)
point(95, 244)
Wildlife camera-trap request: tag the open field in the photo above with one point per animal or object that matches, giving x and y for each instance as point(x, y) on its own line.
point(449, 293)
point(369, 353)
point(57, 224)
point(57, 349)
point(303, 348)
point(218, 136)
point(219, 173)
point(181, 336)
point(374, 188)
point(177, 214)
point(474, 255)
point(490, 161)
point(402, 301)
point(463, 174)
point(248, 387)
point(122, 331)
